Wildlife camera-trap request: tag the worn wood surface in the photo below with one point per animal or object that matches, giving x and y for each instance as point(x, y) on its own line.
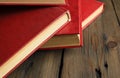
point(98, 58)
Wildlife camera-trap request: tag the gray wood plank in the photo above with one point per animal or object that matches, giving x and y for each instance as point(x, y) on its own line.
point(116, 4)
point(111, 38)
point(42, 64)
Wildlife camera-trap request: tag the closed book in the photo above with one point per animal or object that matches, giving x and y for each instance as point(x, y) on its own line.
point(24, 30)
point(33, 2)
point(91, 9)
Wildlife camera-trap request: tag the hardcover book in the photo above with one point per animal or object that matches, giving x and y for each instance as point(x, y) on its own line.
point(33, 2)
point(90, 10)
point(73, 28)
point(22, 31)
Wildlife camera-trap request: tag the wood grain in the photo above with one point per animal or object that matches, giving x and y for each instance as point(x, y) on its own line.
point(42, 64)
point(116, 4)
point(98, 58)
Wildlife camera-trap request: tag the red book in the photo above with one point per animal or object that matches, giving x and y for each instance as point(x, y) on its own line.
point(91, 13)
point(90, 10)
point(73, 27)
point(33, 2)
point(22, 31)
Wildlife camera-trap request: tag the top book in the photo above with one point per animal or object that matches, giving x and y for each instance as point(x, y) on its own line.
point(32, 2)
point(23, 31)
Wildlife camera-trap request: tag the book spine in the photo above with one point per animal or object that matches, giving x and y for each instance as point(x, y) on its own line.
point(80, 23)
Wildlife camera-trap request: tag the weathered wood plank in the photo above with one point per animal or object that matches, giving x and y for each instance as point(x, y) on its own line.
point(99, 57)
point(111, 37)
point(42, 64)
point(116, 4)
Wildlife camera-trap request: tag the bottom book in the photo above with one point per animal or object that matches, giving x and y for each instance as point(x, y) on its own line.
point(73, 40)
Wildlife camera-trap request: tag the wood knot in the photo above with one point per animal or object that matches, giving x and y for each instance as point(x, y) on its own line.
point(98, 73)
point(106, 65)
point(111, 44)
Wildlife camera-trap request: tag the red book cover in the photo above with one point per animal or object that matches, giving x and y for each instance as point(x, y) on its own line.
point(33, 2)
point(91, 13)
point(22, 30)
point(90, 10)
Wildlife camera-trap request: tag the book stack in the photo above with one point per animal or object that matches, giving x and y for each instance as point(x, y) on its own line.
point(29, 25)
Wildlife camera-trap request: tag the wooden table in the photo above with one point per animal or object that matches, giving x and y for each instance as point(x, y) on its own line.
point(98, 58)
